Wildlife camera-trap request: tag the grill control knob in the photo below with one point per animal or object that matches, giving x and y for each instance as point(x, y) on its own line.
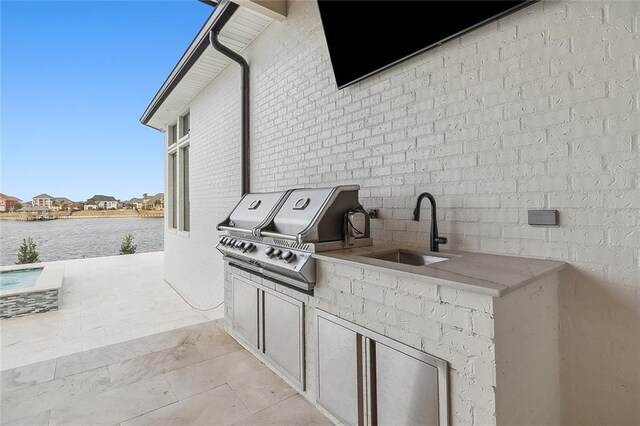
point(221, 237)
point(239, 244)
point(277, 252)
point(247, 247)
point(287, 256)
point(268, 251)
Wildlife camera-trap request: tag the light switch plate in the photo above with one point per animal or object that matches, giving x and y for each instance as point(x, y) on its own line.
point(543, 217)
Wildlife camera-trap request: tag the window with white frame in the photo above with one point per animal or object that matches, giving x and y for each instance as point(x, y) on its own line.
point(172, 134)
point(185, 125)
point(178, 202)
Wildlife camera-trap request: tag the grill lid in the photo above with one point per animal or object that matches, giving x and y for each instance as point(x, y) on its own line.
point(299, 210)
point(312, 215)
point(252, 211)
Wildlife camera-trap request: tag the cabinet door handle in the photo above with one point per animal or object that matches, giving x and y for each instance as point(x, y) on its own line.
point(371, 382)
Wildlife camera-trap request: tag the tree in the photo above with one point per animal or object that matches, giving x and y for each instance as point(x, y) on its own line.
point(27, 252)
point(17, 206)
point(127, 246)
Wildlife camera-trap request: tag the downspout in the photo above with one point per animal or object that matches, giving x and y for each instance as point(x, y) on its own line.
point(244, 67)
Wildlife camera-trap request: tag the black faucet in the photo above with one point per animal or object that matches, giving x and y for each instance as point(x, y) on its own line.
point(435, 239)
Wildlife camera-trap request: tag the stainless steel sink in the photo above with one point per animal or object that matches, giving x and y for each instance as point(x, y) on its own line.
point(406, 257)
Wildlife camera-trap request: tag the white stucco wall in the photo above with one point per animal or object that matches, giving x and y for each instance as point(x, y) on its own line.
point(192, 265)
point(537, 110)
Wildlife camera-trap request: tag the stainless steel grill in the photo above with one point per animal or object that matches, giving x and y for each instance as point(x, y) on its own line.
point(276, 233)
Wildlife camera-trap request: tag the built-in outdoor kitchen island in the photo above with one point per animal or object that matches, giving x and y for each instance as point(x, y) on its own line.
point(393, 333)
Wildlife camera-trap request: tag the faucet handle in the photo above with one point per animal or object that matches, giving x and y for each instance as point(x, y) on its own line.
point(441, 240)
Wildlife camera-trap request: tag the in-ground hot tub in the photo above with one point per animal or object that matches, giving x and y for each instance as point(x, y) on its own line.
point(29, 289)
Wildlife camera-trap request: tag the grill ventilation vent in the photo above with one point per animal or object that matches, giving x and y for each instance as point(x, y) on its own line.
point(291, 244)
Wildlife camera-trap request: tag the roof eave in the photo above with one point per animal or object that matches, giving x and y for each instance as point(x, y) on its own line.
point(197, 47)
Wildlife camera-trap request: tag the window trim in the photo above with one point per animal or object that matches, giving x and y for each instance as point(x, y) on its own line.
point(184, 202)
point(172, 175)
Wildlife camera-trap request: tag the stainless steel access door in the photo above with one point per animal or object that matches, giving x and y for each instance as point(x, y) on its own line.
point(245, 311)
point(404, 389)
point(283, 336)
point(364, 377)
point(339, 379)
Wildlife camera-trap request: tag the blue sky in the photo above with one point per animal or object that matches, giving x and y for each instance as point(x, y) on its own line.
point(76, 77)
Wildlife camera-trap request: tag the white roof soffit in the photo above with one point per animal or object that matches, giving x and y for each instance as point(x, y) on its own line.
point(242, 28)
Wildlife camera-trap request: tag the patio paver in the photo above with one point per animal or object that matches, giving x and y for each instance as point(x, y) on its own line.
point(172, 384)
point(104, 301)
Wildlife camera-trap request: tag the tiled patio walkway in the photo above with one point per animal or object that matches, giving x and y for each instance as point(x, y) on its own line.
point(104, 301)
point(196, 375)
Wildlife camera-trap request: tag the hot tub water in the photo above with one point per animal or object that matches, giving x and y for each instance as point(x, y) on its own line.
point(22, 278)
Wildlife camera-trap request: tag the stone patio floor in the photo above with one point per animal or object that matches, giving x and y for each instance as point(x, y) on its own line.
point(197, 375)
point(103, 301)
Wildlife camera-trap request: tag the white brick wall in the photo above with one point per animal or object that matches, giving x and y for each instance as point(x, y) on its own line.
point(536, 110)
point(527, 356)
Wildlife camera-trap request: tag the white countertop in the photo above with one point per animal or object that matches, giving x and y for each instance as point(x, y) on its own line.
point(488, 274)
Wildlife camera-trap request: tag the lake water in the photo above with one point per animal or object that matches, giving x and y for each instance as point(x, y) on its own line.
point(78, 238)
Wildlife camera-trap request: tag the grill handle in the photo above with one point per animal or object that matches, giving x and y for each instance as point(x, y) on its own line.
point(272, 234)
point(231, 228)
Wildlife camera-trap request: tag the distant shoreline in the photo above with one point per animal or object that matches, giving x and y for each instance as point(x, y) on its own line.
point(90, 214)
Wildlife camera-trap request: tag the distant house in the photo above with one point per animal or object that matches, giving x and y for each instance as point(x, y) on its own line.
point(102, 202)
point(153, 202)
point(8, 203)
point(61, 203)
point(42, 200)
point(135, 203)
